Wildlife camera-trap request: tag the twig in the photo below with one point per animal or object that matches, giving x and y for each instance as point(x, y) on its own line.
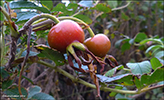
point(24, 61)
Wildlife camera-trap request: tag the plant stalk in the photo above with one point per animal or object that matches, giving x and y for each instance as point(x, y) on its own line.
point(74, 79)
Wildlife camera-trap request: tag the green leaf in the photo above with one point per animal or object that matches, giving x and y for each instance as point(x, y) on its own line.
point(155, 63)
point(139, 37)
point(140, 68)
point(151, 39)
point(1, 16)
point(6, 84)
point(42, 96)
point(33, 90)
point(157, 75)
point(102, 7)
point(137, 82)
point(153, 47)
point(112, 94)
point(51, 54)
point(32, 53)
point(72, 7)
point(112, 4)
point(118, 43)
point(47, 4)
point(111, 72)
point(86, 3)
point(3, 73)
point(108, 79)
point(14, 93)
point(85, 18)
point(125, 46)
point(28, 79)
point(126, 81)
point(159, 54)
point(60, 7)
point(124, 16)
point(25, 15)
point(27, 5)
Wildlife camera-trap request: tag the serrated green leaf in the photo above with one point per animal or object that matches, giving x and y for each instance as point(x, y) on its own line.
point(85, 18)
point(14, 93)
point(42, 96)
point(139, 37)
point(47, 4)
point(157, 75)
point(21, 16)
point(51, 54)
point(33, 90)
point(60, 7)
point(27, 5)
point(102, 7)
point(155, 63)
point(140, 68)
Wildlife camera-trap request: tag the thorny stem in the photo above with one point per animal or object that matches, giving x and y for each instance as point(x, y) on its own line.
point(76, 19)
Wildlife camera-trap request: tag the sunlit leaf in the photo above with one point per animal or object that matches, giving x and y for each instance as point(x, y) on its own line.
point(140, 68)
point(25, 15)
point(27, 5)
point(86, 3)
